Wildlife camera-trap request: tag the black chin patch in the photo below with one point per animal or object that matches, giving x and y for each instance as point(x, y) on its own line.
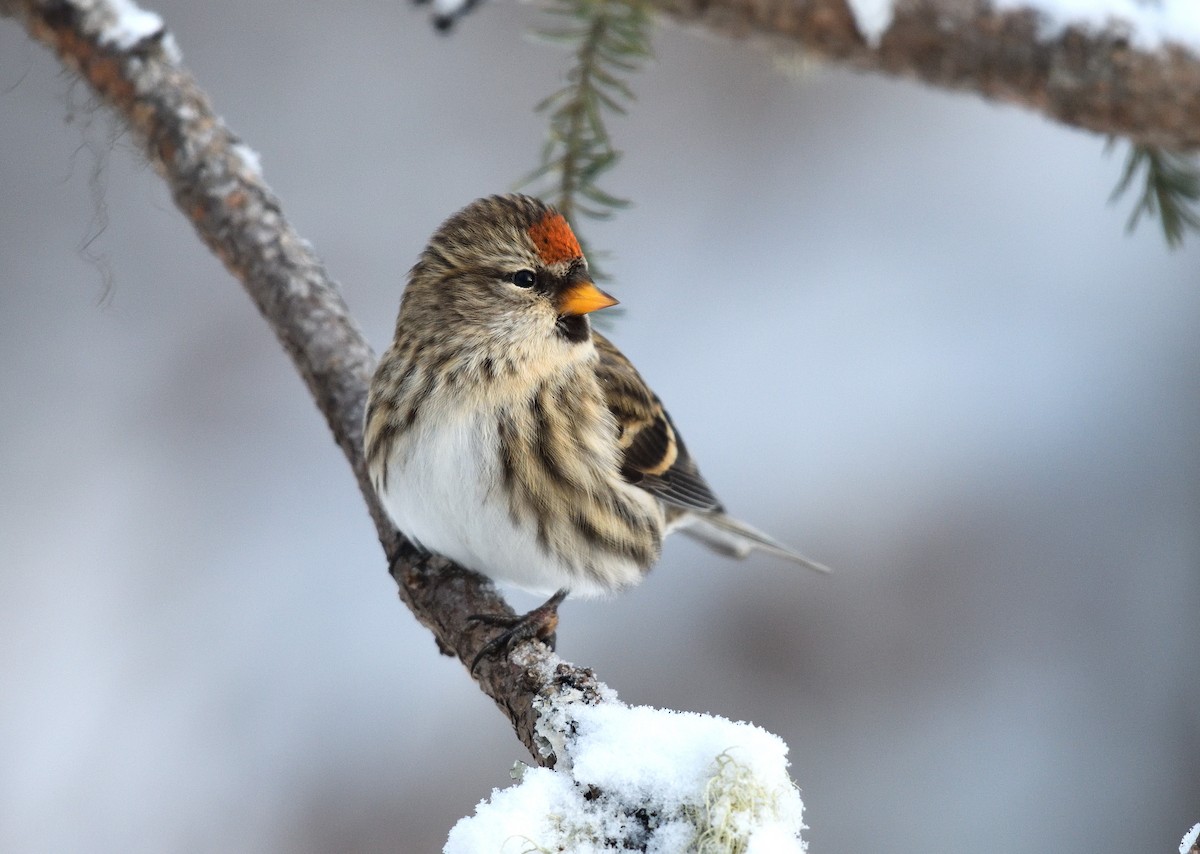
point(574, 327)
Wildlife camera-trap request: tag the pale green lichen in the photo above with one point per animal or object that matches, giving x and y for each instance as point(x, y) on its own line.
point(735, 802)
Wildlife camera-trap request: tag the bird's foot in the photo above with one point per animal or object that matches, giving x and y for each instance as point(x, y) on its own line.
point(539, 624)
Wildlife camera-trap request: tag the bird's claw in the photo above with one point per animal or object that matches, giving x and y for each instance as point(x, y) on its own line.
point(539, 624)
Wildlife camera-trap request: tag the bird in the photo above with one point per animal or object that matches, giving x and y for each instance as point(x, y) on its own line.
point(504, 433)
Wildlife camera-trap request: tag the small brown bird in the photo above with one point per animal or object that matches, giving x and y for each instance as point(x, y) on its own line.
point(505, 434)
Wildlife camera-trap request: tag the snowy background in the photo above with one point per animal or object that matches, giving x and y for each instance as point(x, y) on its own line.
point(899, 328)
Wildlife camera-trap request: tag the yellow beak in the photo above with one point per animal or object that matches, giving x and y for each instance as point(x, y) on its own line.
point(583, 298)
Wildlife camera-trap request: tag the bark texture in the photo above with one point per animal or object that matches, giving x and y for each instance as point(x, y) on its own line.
point(1094, 80)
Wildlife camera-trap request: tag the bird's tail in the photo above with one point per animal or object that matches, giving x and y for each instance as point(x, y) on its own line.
point(728, 536)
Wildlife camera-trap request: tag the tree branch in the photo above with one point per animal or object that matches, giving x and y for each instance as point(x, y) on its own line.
point(1092, 80)
point(214, 180)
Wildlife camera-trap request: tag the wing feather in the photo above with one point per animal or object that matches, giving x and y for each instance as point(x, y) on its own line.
point(655, 457)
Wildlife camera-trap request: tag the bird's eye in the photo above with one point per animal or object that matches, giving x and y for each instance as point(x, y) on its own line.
point(523, 278)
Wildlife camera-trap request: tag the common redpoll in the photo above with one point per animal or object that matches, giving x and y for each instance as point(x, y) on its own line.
point(502, 432)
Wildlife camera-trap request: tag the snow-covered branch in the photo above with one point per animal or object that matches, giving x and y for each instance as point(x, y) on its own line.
point(642, 779)
point(1117, 67)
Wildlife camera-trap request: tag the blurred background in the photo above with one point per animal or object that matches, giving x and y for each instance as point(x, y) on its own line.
point(900, 329)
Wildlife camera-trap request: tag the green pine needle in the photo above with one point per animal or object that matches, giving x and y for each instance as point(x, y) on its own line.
point(610, 39)
point(1171, 192)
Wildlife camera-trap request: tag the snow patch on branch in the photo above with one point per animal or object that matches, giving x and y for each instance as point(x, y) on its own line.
point(251, 159)
point(1148, 24)
point(873, 18)
point(449, 8)
point(130, 24)
point(1189, 839)
point(644, 779)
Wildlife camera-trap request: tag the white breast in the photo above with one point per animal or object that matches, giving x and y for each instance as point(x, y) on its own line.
point(445, 490)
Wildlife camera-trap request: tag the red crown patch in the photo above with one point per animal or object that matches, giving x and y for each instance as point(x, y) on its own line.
point(554, 239)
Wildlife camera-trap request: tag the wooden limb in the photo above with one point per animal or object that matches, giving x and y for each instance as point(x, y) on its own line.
point(1096, 80)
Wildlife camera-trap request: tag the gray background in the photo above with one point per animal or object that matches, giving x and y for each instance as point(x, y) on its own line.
point(899, 328)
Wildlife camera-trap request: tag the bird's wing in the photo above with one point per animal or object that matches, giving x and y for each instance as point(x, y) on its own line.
point(655, 456)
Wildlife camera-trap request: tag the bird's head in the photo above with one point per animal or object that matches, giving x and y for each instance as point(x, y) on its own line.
point(507, 267)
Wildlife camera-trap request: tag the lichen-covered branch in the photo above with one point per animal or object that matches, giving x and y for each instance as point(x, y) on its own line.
point(1093, 79)
point(130, 61)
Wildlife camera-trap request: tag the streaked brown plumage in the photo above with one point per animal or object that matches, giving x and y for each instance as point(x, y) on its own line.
point(504, 433)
